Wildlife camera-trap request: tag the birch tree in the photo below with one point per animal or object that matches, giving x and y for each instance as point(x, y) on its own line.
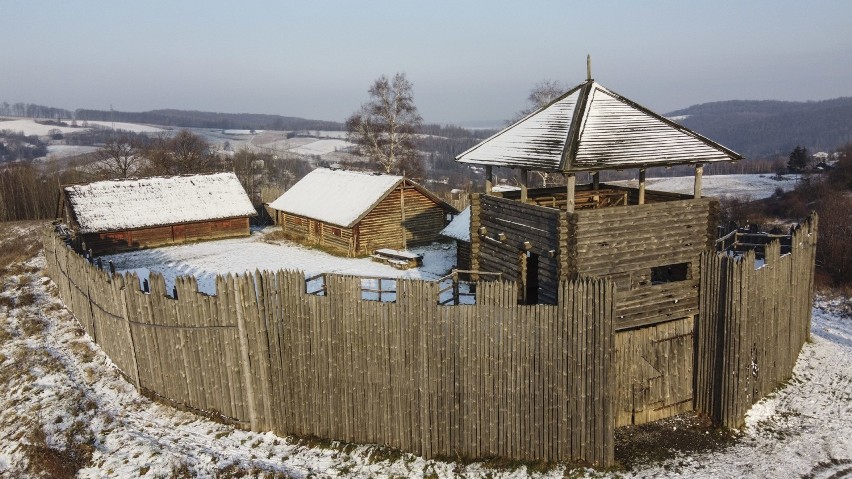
point(384, 128)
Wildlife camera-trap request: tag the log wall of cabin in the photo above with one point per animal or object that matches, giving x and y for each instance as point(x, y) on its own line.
point(511, 230)
point(624, 244)
point(311, 231)
point(126, 240)
point(463, 254)
point(384, 225)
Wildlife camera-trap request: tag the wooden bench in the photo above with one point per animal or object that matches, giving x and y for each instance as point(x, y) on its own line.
point(397, 259)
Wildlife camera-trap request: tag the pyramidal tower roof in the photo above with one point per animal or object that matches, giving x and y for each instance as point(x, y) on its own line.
point(590, 128)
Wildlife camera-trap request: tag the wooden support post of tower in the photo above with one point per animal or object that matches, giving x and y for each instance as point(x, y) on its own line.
point(699, 172)
point(641, 186)
point(596, 185)
point(489, 179)
point(525, 183)
point(570, 187)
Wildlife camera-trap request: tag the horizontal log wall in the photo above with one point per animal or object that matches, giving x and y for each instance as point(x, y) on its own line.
point(115, 241)
point(483, 380)
point(752, 325)
point(509, 225)
point(385, 226)
point(315, 232)
point(624, 244)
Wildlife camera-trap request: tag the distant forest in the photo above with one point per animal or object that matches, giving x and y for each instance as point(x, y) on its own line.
point(760, 129)
point(206, 119)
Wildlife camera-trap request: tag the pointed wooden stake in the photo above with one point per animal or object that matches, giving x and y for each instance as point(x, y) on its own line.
point(589, 67)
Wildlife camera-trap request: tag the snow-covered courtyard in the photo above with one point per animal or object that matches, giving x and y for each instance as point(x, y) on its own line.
point(237, 256)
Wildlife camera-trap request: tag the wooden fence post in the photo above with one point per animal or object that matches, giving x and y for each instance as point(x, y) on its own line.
point(245, 361)
point(137, 381)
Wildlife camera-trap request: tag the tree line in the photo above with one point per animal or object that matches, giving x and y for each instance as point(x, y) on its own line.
point(31, 110)
point(206, 119)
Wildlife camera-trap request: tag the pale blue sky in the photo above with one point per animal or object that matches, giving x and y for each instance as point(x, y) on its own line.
point(468, 60)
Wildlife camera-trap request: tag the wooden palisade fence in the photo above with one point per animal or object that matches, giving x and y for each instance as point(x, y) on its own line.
point(527, 382)
point(491, 379)
point(752, 324)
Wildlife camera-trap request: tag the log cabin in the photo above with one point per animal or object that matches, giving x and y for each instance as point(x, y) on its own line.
point(122, 215)
point(647, 242)
point(355, 213)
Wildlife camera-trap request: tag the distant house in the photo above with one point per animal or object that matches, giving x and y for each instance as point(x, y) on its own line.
point(355, 213)
point(121, 215)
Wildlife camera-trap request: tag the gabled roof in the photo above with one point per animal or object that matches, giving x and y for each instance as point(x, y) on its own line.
point(591, 128)
point(144, 202)
point(340, 197)
point(459, 228)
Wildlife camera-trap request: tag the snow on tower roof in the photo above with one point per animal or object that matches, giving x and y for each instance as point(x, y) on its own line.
point(591, 128)
point(144, 202)
point(459, 228)
point(335, 196)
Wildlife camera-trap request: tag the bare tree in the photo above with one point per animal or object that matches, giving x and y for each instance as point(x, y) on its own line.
point(540, 95)
point(119, 158)
point(384, 128)
point(185, 153)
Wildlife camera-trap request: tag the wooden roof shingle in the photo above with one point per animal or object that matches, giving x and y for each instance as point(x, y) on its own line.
point(591, 128)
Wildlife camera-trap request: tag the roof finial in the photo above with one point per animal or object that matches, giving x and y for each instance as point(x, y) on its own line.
point(589, 67)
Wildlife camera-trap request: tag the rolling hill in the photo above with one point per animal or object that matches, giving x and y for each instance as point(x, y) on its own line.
point(768, 128)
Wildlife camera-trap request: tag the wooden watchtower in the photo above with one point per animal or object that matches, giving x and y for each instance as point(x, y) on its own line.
point(647, 242)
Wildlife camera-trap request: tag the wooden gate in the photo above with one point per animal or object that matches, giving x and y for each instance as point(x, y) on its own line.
point(654, 372)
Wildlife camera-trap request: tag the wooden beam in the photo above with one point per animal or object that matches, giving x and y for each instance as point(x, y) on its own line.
point(699, 172)
point(570, 188)
point(596, 185)
point(489, 179)
point(525, 183)
point(641, 186)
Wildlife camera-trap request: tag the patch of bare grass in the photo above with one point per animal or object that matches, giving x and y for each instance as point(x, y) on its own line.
point(55, 462)
point(665, 439)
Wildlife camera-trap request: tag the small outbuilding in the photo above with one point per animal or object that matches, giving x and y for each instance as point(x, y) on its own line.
point(459, 231)
point(121, 215)
point(356, 213)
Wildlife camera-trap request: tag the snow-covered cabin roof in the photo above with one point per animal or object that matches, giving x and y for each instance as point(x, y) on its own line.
point(144, 202)
point(340, 197)
point(591, 128)
point(459, 228)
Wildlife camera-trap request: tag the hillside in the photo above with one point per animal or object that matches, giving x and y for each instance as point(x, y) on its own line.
point(765, 128)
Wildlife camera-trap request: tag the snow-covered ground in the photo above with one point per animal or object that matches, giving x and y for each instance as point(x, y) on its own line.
point(64, 151)
point(321, 147)
point(207, 259)
point(64, 403)
point(754, 186)
point(30, 127)
point(134, 127)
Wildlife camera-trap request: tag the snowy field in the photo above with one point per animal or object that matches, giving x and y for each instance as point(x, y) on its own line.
point(134, 127)
point(64, 151)
point(322, 147)
point(207, 259)
point(64, 404)
point(754, 186)
point(30, 127)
